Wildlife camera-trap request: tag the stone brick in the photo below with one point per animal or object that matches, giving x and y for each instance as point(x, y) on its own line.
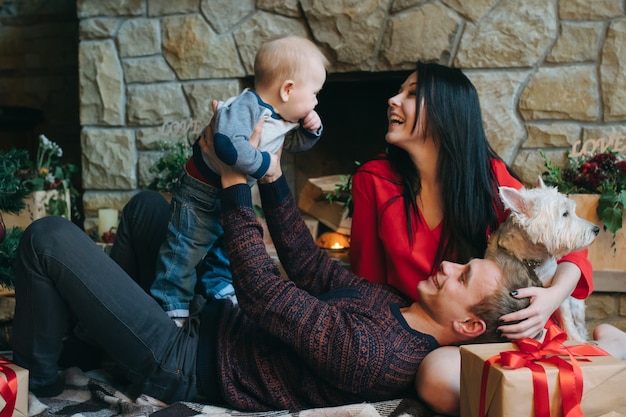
point(345, 27)
point(109, 159)
point(474, 10)
point(166, 7)
point(154, 104)
point(200, 94)
point(554, 135)
point(435, 22)
point(223, 15)
point(577, 42)
point(138, 37)
point(590, 10)
point(515, 33)
point(195, 51)
point(89, 8)
point(612, 72)
point(286, 7)
point(147, 70)
point(601, 306)
point(101, 83)
point(261, 27)
point(94, 200)
point(561, 93)
point(97, 28)
point(497, 91)
point(622, 305)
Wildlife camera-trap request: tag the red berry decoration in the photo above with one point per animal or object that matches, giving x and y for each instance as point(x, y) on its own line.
point(109, 237)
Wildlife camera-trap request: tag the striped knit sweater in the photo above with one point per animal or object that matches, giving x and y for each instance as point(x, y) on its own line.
point(325, 337)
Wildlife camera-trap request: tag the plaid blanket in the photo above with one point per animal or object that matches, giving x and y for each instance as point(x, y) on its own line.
point(93, 394)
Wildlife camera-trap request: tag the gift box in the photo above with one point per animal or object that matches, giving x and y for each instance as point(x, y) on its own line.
point(545, 384)
point(13, 390)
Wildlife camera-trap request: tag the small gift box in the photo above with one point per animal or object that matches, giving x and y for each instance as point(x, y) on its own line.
point(541, 379)
point(13, 390)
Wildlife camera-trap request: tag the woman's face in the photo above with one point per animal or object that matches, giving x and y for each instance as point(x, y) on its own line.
point(455, 289)
point(402, 113)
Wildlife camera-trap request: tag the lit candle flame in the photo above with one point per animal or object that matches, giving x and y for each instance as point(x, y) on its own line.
point(337, 245)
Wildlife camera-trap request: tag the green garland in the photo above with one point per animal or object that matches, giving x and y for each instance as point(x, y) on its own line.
point(8, 249)
point(14, 185)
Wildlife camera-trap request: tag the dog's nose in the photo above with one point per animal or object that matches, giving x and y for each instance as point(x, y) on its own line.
point(596, 230)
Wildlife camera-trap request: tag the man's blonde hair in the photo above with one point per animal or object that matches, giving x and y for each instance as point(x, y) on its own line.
point(285, 58)
point(515, 275)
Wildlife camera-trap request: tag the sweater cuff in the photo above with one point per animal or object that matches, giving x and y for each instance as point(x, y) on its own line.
point(274, 193)
point(235, 196)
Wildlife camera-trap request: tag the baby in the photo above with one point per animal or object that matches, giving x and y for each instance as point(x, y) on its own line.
point(289, 73)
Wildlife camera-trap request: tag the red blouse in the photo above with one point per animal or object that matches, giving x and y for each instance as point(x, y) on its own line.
point(379, 245)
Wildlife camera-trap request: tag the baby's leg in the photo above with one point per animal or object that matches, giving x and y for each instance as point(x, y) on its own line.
point(438, 380)
point(611, 339)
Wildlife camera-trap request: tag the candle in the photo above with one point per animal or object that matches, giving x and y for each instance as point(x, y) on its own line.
point(107, 218)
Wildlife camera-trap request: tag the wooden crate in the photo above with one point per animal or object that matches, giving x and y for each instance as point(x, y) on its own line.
point(607, 252)
point(35, 208)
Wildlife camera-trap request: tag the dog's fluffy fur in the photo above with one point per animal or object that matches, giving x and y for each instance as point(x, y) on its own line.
point(543, 227)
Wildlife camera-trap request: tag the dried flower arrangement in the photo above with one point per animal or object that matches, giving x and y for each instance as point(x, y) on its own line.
point(602, 173)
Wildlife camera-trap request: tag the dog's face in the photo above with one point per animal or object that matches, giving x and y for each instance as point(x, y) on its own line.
point(549, 218)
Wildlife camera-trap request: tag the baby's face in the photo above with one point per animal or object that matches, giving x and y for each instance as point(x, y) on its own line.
point(303, 97)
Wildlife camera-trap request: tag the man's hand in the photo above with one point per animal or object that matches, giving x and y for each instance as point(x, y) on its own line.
point(312, 121)
point(274, 162)
point(271, 177)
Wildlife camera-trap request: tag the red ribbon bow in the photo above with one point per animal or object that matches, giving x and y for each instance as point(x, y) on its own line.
point(532, 351)
point(8, 388)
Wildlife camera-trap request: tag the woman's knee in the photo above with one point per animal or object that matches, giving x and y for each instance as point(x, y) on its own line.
point(438, 380)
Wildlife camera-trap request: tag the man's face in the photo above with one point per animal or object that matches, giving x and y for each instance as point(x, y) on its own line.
point(454, 289)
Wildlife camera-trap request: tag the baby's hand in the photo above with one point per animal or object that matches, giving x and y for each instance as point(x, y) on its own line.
point(312, 121)
point(274, 161)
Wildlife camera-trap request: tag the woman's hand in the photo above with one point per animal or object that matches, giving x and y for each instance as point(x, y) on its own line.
point(543, 303)
point(530, 321)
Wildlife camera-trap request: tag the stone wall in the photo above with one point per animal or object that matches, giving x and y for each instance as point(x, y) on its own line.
point(549, 72)
point(606, 307)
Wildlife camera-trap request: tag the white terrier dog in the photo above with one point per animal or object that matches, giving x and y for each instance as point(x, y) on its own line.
point(543, 227)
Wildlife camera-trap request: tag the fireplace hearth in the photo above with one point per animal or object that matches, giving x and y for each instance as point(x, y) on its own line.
point(353, 109)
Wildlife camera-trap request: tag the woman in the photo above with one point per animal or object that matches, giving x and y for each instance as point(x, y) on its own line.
point(312, 341)
point(433, 197)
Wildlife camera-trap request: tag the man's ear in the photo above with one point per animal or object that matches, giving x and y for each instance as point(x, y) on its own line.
point(285, 90)
point(471, 328)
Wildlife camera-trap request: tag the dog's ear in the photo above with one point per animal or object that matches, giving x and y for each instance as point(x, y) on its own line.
point(513, 199)
point(540, 182)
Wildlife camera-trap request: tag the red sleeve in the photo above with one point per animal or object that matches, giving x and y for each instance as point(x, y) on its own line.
point(366, 253)
point(585, 284)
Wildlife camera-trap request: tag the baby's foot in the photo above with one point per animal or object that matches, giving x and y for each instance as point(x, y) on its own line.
point(611, 339)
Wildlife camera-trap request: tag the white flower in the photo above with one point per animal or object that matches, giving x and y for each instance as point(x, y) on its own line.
point(44, 141)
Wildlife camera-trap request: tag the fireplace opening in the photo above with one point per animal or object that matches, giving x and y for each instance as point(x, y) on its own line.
point(353, 109)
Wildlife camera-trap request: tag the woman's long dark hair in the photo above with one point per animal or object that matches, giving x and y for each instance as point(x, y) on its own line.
point(468, 183)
